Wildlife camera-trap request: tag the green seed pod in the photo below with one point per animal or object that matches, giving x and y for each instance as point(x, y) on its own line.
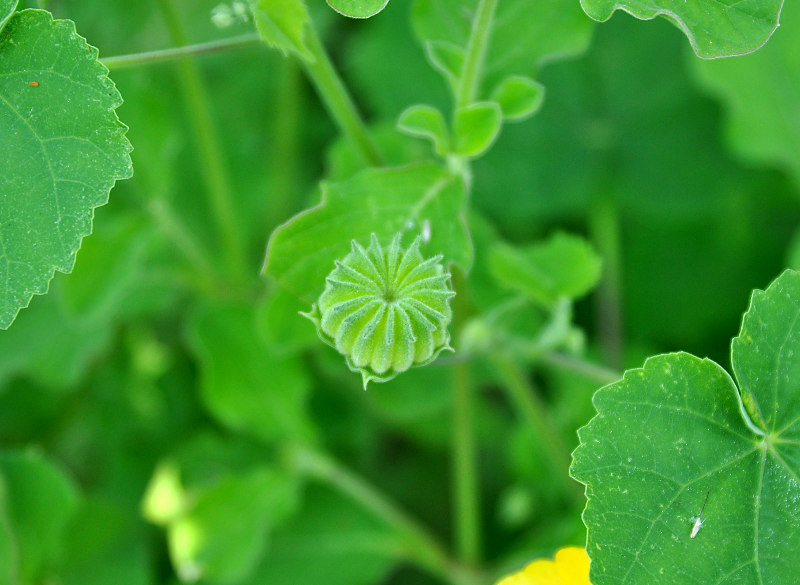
point(385, 309)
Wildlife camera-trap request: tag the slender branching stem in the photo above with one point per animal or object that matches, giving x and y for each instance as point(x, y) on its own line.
point(419, 545)
point(151, 57)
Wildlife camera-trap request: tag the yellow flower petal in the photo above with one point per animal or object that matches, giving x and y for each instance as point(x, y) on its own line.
point(570, 567)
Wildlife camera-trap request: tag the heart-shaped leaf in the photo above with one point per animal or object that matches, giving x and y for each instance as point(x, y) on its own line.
point(358, 8)
point(63, 150)
point(420, 199)
point(714, 28)
point(690, 479)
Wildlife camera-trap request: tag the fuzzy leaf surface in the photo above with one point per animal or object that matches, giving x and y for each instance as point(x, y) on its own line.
point(382, 201)
point(715, 28)
point(63, 150)
point(671, 443)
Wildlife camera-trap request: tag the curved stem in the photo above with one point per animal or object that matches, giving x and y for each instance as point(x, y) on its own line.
point(150, 57)
point(215, 175)
point(337, 99)
point(422, 547)
point(476, 52)
point(530, 407)
point(583, 367)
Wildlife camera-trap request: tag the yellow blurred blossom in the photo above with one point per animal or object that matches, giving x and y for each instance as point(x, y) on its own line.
point(570, 567)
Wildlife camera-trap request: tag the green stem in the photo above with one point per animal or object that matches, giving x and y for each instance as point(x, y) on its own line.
point(212, 166)
point(466, 493)
point(605, 230)
point(585, 368)
point(420, 545)
point(476, 53)
point(337, 99)
point(285, 150)
point(527, 402)
point(198, 257)
point(149, 57)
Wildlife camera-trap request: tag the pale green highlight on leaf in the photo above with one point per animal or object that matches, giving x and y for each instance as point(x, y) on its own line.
point(7, 8)
point(385, 309)
point(715, 28)
point(476, 128)
point(761, 97)
point(63, 147)
point(563, 266)
point(409, 200)
point(282, 24)
point(358, 8)
point(678, 431)
point(427, 122)
point(519, 97)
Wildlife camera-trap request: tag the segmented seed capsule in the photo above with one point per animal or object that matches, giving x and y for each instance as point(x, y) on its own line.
point(385, 309)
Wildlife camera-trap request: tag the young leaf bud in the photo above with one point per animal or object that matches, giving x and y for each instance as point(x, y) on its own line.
point(385, 309)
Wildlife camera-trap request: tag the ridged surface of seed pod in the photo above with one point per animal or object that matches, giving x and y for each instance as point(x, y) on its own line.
point(385, 309)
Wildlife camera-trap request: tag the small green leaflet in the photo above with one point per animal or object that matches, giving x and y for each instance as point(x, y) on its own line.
point(282, 24)
point(678, 431)
point(358, 8)
point(63, 148)
point(715, 28)
point(418, 199)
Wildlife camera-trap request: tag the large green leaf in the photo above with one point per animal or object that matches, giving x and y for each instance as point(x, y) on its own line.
point(716, 28)
point(524, 36)
point(244, 384)
point(36, 501)
point(761, 93)
point(691, 479)
point(63, 149)
point(358, 8)
point(416, 199)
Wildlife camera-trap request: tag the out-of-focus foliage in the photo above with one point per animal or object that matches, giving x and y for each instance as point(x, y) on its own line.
point(147, 357)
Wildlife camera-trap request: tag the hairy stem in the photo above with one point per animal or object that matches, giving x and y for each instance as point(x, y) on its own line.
point(215, 175)
point(338, 101)
point(471, 71)
point(421, 547)
point(150, 57)
point(587, 369)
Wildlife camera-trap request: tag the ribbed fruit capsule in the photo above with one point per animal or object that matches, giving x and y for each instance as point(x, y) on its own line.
point(385, 309)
